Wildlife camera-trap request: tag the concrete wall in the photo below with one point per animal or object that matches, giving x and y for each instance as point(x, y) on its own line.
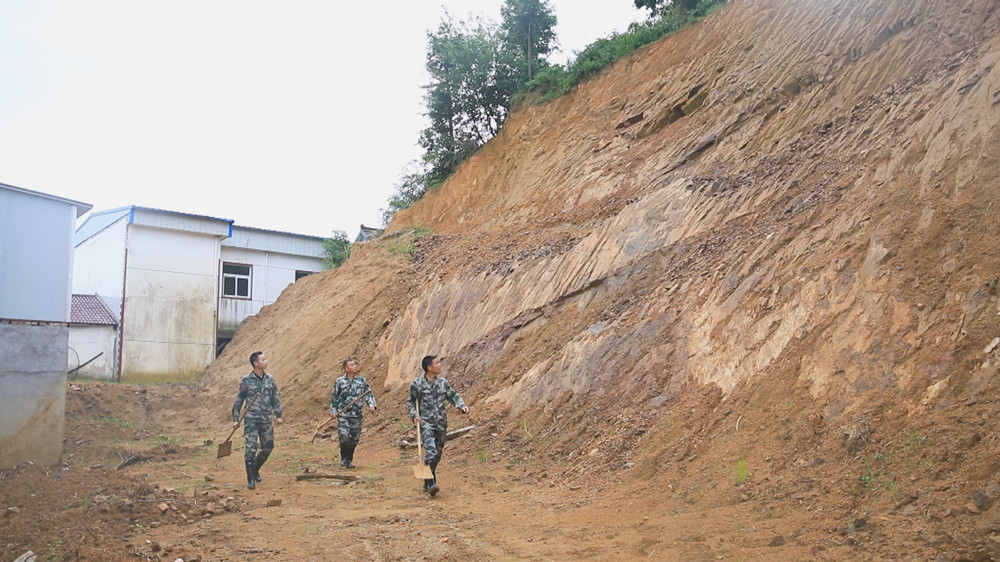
point(271, 273)
point(33, 396)
point(36, 257)
point(86, 342)
point(170, 295)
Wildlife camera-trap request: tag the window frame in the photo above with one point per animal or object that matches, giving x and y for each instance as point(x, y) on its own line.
point(223, 276)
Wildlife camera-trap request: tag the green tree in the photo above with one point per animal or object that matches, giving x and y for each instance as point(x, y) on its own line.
point(336, 249)
point(467, 98)
point(681, 9)
point(409, 189)
point(528, 28)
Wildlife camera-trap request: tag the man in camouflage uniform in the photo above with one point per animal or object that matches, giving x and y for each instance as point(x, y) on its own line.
point(347, 388)
point(257, 422)
point(431, 391)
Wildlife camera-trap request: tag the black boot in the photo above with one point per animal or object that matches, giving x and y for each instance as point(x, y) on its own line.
point(433, 488)
point(343, 455)
point(251, 481)
point(350, 456)
point(261, 459)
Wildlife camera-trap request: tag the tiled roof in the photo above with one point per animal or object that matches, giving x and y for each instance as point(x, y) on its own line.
point(89, 309)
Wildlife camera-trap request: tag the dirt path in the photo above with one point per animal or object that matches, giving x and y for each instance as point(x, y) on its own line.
point(171, 498)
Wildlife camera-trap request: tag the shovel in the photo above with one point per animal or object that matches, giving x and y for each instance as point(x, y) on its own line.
point(226, 447)
point(334, 416)
point(421, 470)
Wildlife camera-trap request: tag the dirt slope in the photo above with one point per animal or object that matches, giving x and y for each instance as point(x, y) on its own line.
point(735, 298)
point(780, 220)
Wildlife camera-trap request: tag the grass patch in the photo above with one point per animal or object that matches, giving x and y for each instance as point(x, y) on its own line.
point(162, 439)
point(119, 422)
point(405, 242)
point(740, 474)
point(558, 80)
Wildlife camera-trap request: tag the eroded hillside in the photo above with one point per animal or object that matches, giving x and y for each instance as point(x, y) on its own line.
point(767, 241)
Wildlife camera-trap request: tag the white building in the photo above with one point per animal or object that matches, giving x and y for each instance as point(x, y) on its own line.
point(179, 285)
point(36, 269)
point(93, 339)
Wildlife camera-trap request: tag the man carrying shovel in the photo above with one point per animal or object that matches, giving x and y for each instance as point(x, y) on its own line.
point(427, 396)
point(345, 405)
point(257, 420)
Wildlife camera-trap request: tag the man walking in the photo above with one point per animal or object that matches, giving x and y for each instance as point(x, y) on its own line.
point(346, 389)
point(257, 421)
point(430, 392)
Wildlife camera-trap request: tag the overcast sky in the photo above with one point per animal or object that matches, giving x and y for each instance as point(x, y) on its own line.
point(297, 116)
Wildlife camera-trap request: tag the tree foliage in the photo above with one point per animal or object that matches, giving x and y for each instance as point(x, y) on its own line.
point(528, 28)
point(336, 249)
point(409, 189)
point(468, 95)
point(556, 80)
point(682, 10)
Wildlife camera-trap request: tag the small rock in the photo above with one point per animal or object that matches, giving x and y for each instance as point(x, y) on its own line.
point(12, 511)
point(993, 345)
point(209, 478)
point(154, 546)
point(982, 500)
point(274, 503)
point(971, 507)
point(163, 507)
point(445, 539)
point(208, 442)
point(777, 541)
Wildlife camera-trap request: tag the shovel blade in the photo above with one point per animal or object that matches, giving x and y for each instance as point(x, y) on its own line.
point(225, 449)
point(422, 471)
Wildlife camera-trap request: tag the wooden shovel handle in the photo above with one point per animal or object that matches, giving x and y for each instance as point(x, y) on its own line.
point(334, 416)
point(420, 455)
point(243, 415)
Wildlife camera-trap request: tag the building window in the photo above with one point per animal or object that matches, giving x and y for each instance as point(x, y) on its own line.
point(299, 274)
point(236, 280)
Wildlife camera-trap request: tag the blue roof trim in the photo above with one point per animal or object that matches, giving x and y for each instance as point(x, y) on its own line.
point(97, 222)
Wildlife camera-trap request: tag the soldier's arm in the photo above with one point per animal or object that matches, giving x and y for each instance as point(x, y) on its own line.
point(238, 405)
point(370, 397)
point(454, 397)
point(333, 399)
point(276, 402)
point(411, 400)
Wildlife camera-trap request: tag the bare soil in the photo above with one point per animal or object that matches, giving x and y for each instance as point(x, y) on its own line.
point(503, 496)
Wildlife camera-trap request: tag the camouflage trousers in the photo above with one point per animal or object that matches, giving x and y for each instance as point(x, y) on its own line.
point(348, 431)
point(254, 431)
point(433, 444)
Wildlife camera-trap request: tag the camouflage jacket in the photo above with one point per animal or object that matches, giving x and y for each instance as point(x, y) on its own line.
point(431, 395)
point(346, 389)
point(251, 385)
